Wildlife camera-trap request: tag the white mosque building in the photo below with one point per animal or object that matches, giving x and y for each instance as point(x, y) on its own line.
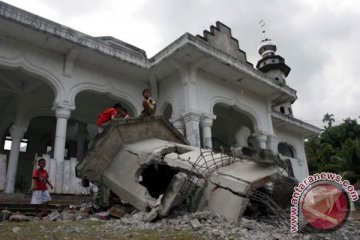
point(54, 81)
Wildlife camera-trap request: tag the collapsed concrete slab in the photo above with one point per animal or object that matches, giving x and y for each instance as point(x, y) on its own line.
point(150, 165)
point(232, 185)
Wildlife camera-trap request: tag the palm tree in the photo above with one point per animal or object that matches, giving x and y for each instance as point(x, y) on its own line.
point(329, 118)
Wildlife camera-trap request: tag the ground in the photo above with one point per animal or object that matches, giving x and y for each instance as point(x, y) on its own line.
point(88, 230)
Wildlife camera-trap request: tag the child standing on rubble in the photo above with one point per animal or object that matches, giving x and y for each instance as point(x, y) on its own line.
point(149, 104)
point(40, 193)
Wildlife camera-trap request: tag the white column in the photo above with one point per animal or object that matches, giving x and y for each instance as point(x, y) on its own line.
point(62, 116)
point(206, 124)
point(81, 140)
point(261, 139)
point(179, 125)
point(17, 133)
point(192, 120)
point(272, 143)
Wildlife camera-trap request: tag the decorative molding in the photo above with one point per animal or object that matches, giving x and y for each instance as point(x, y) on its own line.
point(28, 66)
point(220, 37)
point(63, 112)
point(191, 116)
point(207, 120)
point(132, 102)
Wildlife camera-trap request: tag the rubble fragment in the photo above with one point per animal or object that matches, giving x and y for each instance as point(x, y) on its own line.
point(18, 217)
point(117, 212)
point(195, 224)
point(4, 215)
point(53, 216)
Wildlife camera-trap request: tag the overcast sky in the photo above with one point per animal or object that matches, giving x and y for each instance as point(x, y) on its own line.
point(319, 39)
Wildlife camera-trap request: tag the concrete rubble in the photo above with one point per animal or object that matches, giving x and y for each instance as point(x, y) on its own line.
point(204, 222)
point(148, 164)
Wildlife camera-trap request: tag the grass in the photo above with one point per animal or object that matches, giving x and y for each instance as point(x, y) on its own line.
point(88, 230)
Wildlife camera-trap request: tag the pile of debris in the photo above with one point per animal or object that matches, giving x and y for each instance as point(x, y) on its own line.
point(147, 163)
point(117, 220)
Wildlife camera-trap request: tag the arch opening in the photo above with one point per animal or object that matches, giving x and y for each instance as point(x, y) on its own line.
point(232, 127)
point(286, 149)
point(24, 95)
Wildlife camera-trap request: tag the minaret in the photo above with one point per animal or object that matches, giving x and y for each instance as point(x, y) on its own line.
point(273, 65)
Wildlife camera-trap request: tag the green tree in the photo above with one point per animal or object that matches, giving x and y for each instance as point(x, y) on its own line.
point(336, 149)
point(329, 119)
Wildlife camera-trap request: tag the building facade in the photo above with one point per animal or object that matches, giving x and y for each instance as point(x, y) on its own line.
point(54, 81)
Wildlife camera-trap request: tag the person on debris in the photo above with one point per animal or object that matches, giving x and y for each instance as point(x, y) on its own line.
point(107, 115)
point(149, 104)
point(40, 193)
point(124, 114)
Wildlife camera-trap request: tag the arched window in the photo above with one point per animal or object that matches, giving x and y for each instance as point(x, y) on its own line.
point(286, 150)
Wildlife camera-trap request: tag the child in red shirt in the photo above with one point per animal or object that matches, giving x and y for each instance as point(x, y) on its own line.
point(107, 115)
point(40, 193)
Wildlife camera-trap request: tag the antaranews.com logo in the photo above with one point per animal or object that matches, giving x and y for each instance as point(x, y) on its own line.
point(321, 202)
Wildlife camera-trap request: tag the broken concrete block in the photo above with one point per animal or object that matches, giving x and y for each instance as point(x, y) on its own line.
point(54, 216)
point(16, 229)
point(249, 172)
point(87, 210)
point(150, 216)
point(103, 215)
point(81, 216)
point(195, 224)
point(117, 212)
point(4, 215)
point(68, 215)
point(118, 134)
point(249, 224)
point(229, 182)
point(220, 199)
point(173, 195)
point(18, 217)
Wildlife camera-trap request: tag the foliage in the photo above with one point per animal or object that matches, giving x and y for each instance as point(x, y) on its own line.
point(329, 119)
point(337, 149)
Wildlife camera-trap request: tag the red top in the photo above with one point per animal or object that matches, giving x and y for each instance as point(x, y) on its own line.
point(106, 116)
point(42, 175)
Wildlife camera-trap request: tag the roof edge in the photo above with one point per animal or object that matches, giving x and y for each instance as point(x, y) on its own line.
point(248, 68)
point(313, 130)
point(44, 25)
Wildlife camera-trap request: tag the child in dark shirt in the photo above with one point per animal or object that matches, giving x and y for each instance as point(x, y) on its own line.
point(148, 103)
